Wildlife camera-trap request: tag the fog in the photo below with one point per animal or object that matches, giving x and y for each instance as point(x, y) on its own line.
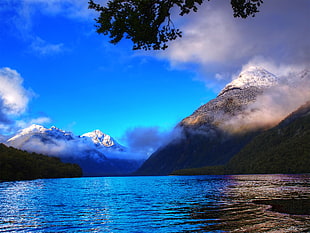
point(145, 140)
point(274, 104)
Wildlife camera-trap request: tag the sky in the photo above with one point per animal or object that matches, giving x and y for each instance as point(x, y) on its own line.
point(56, 70)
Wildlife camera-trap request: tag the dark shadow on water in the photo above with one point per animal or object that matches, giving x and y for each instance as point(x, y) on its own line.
point(288, 206)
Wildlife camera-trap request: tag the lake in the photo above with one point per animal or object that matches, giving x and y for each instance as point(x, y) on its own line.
point(152, 204)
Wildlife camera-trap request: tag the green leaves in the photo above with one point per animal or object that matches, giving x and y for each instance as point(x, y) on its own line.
point(148, 23)
point(245, 8)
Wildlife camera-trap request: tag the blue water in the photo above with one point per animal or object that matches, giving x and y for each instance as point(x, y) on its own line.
point(152, 204)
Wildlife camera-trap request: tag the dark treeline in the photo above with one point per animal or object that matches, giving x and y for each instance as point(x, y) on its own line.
point(20, 165)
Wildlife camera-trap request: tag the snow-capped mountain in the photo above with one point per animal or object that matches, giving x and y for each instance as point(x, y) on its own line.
point(24, 135)
point(103, 140)
point(233, 102)
point(97, 153)
point(253, 76)
point(219, 129)
point(99, 139)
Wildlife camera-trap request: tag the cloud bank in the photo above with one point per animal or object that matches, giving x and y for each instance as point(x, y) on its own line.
point(65, 145)
point(74, 148)
point(219, 43)
point(145, 140)
point(43, 47)
point(14, 101)
point(14, 97)
point(274, 104)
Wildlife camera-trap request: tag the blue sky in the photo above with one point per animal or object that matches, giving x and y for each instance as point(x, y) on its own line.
point(64, 74)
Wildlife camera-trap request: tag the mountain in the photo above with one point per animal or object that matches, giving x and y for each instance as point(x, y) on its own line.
point(219, 129)
point(232, 104)
point(104, 141)
point(253, 76)
point(97, 153)
point(282, 149)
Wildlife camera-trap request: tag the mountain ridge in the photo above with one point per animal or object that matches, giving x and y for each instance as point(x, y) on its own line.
point(219, 129)
point(281, 149)
point(99, 139)
point(252, 76)
point(97, 153)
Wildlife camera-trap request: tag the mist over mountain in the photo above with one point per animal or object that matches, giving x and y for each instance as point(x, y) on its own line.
point(255, 101)
point(97, 153)
point(281, 149)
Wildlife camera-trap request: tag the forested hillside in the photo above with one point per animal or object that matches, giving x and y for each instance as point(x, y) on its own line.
point(282, 149)
point(20, 165)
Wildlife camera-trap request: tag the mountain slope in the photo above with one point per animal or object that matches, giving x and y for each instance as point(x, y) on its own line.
point(103, 141)
point(21, 165)
point(215, 131)
point(97, 153)
point(282, 149)
point(253, 76)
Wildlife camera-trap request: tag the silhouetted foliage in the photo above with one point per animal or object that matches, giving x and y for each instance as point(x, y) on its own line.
point(20, 165)
point(148, 23)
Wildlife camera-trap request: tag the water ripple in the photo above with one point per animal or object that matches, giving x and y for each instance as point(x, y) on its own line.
point(152, 204)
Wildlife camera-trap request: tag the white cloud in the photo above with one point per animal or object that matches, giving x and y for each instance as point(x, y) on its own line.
point(14, 96)
point(14, 101)
point(221, 44)
point(42, 47)
point(274, 104)
point(145, 140)
point(77, 9)
point(61, 148)
point(41, 120)
point(24, 123)
point(207, 37)
point(277, 68)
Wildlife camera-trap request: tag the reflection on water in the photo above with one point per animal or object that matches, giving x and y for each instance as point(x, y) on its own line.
point(152, 204)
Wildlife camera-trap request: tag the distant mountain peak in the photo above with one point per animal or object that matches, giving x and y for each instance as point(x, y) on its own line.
point(97, 153)
point(99, 138)
point(55, 128)
point(253, 76)
point(232, 100)
point(34, 128)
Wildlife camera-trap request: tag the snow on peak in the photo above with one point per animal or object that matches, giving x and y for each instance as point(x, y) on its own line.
point(100, 138)
point(39, 129)
point(31, 129)
point(34, 128)
point(97, 137)
point(253, 76)
point(55, 128)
